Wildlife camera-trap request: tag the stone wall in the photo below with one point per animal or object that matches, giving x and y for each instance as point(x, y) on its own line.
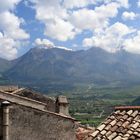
point(63, 109)
point(50, 103)
point(1, 113)
point(8, 88)
point(31, 124)
point(22, 100)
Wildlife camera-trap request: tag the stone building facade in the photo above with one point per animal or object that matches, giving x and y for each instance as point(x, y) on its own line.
point(26, 115)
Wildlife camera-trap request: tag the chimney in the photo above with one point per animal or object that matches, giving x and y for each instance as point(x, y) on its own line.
point(62, 105)
point(5, 120)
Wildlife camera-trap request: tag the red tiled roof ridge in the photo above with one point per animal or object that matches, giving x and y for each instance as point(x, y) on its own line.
point(127, 107)
point(122, 124)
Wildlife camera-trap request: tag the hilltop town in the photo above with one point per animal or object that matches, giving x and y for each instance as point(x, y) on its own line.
point(28, 115)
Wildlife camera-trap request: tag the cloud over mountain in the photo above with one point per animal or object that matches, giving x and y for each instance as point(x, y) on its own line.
point(92, 23)
point(111, 38)
point(43, 43)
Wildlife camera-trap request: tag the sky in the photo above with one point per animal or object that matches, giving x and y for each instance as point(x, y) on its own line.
point(69, 24)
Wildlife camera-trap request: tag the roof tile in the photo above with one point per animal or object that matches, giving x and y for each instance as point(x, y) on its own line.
point(135, 125)
point(108, 133)
point(134, 113)
point(114, 128)
point(122, 124)
point(113, 122)
point(95, 133)
point(103, 132)
point(130, 112)
point(108, 127)
point(118, 138)
point(112, 136)
point(101, 127)
point(125, 124)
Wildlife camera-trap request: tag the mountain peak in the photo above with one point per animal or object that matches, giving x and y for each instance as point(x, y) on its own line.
point(50, 47)
point(61, 66)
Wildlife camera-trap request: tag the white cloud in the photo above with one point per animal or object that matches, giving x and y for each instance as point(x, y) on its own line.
point(56, 23)
point(70, 4)
point(49, 9)
point(60, 30)
point(8, 5)
point(84, 19)
point(79, 3)
point(45, 43)
point(99, 17)
point(133, 44)
point(11, 35)
point(6, 47)
point(110, 39)
point(123, 3)
point(129, 15)
point(10, 24)
point(62, 24)
point(138, 3)
point(94, 19)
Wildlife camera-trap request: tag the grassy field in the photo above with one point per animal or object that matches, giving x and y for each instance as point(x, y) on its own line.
point(92, 105)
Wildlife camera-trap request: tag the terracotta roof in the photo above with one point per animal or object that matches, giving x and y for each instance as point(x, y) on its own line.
point(127, 107)
point(122, 124)
point(82, 133)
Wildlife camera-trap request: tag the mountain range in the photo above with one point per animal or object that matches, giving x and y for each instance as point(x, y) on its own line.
point(59, 67)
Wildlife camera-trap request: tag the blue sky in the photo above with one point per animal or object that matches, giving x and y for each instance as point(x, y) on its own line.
point(69, 24)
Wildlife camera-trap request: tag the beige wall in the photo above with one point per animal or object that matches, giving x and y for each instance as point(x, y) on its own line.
point(64, 110)
point(31, 124)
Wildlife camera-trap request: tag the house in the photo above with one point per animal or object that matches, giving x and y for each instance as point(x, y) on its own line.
point(122, 124)
point(27, 115)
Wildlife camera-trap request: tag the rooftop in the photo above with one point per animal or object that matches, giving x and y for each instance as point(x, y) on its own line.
point(122, 124)
point(10, 88)
point(17, 96)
